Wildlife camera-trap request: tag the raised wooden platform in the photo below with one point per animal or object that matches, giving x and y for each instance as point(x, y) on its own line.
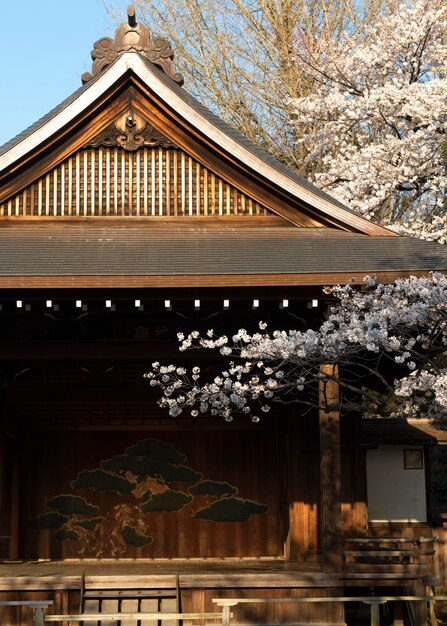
point(160, 573)
point(209, 573)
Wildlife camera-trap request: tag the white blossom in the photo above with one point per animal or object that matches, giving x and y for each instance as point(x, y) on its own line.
point(376, 126)
point(388, 341)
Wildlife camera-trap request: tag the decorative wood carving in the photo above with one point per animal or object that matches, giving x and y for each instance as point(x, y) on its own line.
point(133, 37)
point(130, 131)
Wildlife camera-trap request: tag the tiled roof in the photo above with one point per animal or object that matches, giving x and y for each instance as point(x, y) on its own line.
point(147, 250)
point(393, 430)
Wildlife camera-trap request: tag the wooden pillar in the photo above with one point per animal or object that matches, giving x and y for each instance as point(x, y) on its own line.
point(360, 525)
point(330, 486)
point(398, 613)
point(14, 529)
point(330, 471)
point(420, 608)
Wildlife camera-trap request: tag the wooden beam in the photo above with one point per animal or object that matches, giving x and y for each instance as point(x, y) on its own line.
point(70, 351)
point(330, 473)
point(202, 280)
point(420, 608)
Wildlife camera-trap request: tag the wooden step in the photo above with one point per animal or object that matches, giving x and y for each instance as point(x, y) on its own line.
point(384, 553)
point(130, 593)
point(366, 540)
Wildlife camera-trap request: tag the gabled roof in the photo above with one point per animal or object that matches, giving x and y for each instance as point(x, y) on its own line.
point(212, 129)
point(272, 227)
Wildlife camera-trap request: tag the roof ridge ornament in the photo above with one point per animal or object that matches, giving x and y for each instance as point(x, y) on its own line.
point(137, 38)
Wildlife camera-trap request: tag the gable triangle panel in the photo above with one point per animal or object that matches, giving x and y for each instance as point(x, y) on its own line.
point(153, 181)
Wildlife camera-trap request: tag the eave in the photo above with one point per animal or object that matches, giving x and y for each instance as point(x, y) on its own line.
point(194, 280)
point(86, 255)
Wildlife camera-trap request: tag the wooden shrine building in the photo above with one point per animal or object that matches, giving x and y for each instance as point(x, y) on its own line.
point(128, 214)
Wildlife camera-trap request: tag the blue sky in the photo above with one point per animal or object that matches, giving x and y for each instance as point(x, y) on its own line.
point(44, 49)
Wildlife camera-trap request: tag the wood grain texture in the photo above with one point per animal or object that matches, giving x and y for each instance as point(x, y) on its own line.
point(330, 470)
point(175, 534)
point(302, 478)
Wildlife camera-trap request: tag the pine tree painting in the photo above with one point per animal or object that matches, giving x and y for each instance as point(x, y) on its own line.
point(149, 477)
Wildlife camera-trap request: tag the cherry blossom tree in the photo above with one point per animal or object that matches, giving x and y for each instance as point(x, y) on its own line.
point(375, 127)
point(238, 56)
point(389, 343)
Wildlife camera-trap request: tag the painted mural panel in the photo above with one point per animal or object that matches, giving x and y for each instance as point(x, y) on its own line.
point(156, 498)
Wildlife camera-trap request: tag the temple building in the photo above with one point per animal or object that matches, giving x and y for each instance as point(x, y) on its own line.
point(130, 213)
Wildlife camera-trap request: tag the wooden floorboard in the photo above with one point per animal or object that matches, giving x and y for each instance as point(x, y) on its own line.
point(161, 575)
point(210, 573)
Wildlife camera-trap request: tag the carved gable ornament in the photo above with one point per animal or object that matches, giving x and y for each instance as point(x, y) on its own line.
point(133, 37)
point(130, 132)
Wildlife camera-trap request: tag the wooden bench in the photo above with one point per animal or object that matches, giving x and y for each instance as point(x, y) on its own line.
point(120, 618)
point(373, 601)
point(33, 604)
point(38, 606)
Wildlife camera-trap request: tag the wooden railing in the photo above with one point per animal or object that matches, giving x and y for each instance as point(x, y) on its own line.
point(390, 557)
point(441, 556)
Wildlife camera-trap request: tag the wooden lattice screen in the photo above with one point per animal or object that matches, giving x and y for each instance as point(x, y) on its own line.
point(153, 182)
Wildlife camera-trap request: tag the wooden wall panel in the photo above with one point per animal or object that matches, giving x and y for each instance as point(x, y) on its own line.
point(249, 461)
point(303, 479)
point(255, 462)
point(353, 508)
point(5, 502)
point(151, 182)
point(8, 499)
